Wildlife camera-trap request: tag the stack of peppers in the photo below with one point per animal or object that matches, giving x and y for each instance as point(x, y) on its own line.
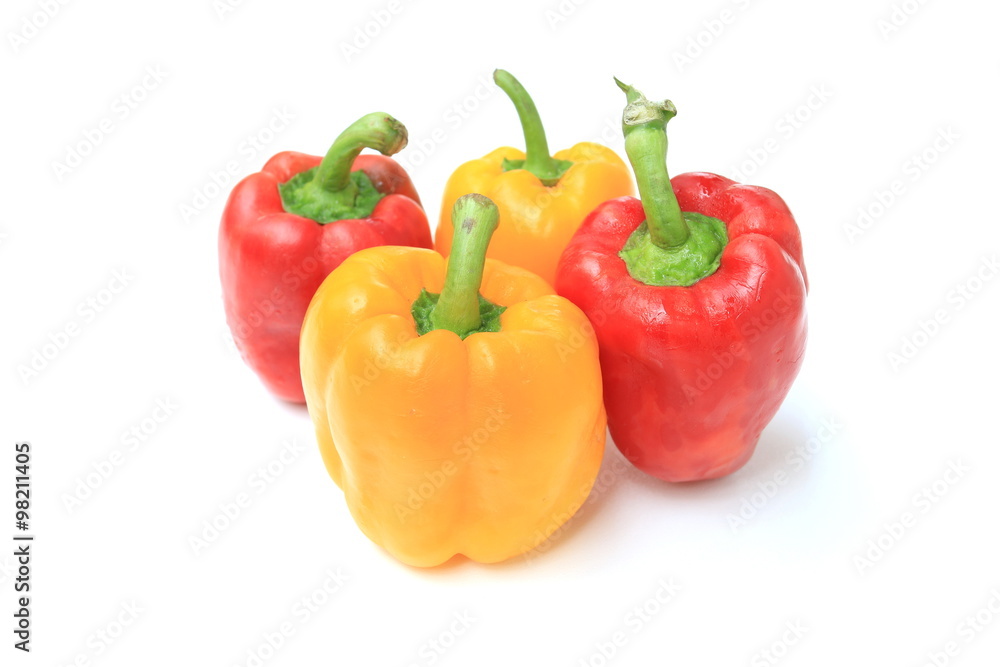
point(460, 402)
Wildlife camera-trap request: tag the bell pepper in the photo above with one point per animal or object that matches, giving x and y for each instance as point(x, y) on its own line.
point(286, 227)
point(700, 314)
point(457, 404)
point(542, 198)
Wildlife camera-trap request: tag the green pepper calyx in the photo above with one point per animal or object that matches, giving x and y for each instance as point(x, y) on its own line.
point(460, 308)
point(671, 247)
point(332, 191)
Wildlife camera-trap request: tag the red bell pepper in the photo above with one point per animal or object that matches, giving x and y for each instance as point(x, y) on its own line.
point(700, 315)
point(285, 228)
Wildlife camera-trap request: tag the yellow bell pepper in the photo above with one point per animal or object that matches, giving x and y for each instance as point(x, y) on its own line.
point(542, 198)
point(457, 404)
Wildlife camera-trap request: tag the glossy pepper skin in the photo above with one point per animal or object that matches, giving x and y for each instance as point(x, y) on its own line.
point(479, 446)
point(693, 374)
point(271, 261)
point(540, 207)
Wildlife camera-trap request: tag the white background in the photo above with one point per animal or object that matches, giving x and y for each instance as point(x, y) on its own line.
point(879, 98)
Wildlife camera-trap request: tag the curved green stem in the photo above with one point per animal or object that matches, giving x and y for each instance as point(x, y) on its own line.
point(332, 191)
point(645, 126)
point(537, 159)
point(475, 218)
point(376, 130)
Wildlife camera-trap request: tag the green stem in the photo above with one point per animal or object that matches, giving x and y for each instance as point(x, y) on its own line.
point(645, 126)
point(670, 247)
point(537, 159)
point(332, 191)
point(376, 130)
point(474, 218)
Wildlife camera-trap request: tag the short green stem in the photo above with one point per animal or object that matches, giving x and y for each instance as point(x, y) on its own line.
point(332, 191)
point(537, 159)
point(475, 218)
point(645, 126)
